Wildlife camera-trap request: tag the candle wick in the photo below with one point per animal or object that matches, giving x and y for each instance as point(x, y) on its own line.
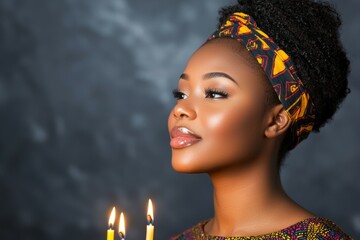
point(121, 235)
point(149, 219)
point(111, 226)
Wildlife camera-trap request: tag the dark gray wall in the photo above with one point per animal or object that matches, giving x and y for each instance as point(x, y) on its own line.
point(85, 92)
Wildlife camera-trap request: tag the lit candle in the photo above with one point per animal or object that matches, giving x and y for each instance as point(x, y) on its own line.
point(110, 231)
point(150, 218)
point(122, 227)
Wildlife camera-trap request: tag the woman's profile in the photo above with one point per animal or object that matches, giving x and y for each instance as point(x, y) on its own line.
point(271, 73)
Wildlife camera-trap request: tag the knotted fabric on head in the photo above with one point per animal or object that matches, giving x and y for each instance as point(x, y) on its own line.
point(279, 69)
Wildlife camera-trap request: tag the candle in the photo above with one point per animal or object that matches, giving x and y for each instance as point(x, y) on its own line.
point(150, 218)
point(110, 231)
point(122, 227)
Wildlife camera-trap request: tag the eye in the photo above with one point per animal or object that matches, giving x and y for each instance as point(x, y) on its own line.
point(177, 94)
point(211, 92)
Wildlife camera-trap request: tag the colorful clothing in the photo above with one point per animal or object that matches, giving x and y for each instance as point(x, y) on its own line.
point(310, 228)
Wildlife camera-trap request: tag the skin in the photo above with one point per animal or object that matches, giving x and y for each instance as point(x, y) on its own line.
point(241, 136)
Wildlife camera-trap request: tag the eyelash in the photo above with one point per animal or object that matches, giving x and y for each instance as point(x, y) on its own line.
point(177, 93)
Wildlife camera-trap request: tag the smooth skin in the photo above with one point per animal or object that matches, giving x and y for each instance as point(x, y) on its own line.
point(241, 136)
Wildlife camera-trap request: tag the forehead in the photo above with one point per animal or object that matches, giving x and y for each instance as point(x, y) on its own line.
point(227, 55)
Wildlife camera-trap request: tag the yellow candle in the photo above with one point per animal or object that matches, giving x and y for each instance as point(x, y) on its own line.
point(150, 218)
point(110, 231)
point(122, 227)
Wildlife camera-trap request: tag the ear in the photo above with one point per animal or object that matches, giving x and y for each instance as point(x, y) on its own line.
point(278, 122)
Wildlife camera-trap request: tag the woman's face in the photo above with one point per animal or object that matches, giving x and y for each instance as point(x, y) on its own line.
point(227, 114)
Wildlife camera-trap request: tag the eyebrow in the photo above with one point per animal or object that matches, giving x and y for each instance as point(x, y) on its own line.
point(210, 75)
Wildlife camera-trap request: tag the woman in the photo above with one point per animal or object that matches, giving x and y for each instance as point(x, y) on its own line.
point(272, 72)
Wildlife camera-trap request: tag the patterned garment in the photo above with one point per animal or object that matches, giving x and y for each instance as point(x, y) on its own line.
point(311, 228)
point(279, 68)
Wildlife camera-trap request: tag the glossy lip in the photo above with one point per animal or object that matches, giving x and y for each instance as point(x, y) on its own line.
point(182, 137)
point(181, 131)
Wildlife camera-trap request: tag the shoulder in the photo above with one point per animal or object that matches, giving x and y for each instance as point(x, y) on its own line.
point(320, 228)
point(191, 233)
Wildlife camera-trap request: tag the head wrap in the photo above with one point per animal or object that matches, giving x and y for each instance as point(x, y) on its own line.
point(279, 69)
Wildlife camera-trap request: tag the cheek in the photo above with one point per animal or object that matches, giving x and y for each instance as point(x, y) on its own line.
point(234, 131)
point(229, 126)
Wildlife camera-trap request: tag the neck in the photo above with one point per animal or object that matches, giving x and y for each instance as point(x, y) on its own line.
point(246, 198)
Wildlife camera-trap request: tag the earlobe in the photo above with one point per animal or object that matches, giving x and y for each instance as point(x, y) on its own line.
point(279, 122)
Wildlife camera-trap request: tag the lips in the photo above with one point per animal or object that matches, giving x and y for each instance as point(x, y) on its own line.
point(183, 137)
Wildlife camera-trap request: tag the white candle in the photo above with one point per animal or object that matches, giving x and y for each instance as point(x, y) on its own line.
point(122, 227)
point(150, 218)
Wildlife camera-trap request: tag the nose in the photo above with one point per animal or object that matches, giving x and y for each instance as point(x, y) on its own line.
point(183, 110)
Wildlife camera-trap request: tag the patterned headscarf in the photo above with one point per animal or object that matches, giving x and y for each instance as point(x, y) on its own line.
point(279, 69)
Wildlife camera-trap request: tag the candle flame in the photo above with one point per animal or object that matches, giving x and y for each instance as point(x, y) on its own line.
point(112, 218)
point(122, 226)
point(150, 212)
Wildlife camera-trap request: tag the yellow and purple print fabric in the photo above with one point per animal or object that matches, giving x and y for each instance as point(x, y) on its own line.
point(279, 69)
point(315, 228)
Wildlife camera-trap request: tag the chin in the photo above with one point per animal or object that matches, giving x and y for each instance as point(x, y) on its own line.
point(185, 166)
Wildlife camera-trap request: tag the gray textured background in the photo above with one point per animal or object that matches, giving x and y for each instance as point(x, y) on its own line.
point(85, 92)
